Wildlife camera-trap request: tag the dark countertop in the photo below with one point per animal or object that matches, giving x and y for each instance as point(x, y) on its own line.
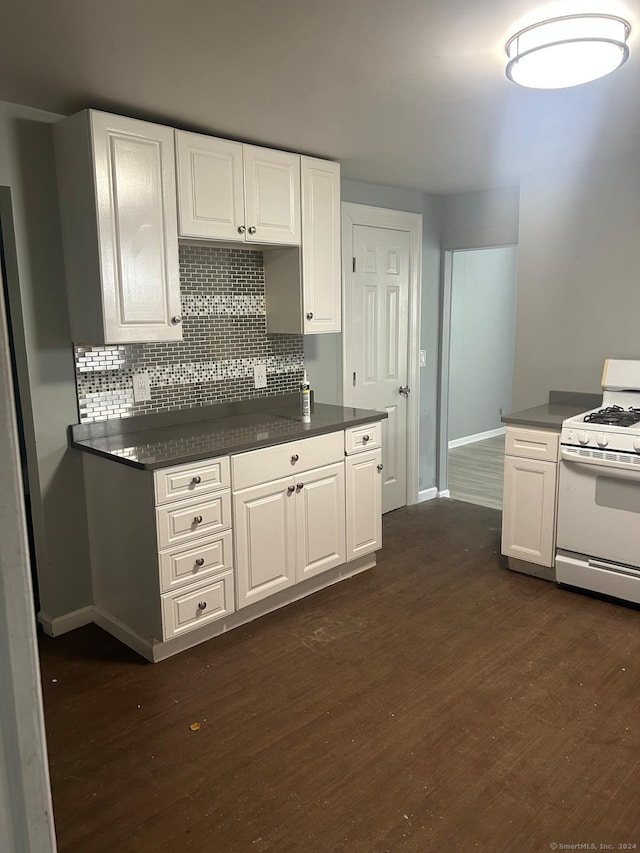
point(561, 405)
point(157, 441)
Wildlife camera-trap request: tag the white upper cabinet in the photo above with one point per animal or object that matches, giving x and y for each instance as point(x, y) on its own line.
point(234, 192)
point(321, 246)
point(116, 181)
point(303, 290)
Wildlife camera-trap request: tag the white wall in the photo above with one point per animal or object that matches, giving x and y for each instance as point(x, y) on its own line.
point(323, 353)
point(27, 167)
point(483, 296)
point(578, 265)
point(479, 219)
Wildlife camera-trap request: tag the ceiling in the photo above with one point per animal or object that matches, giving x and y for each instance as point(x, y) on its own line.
point(410, 93)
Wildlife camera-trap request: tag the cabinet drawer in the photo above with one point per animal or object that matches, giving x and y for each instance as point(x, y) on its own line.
point(272, 463)
point(532, 443)
point(187, 610)
point(366, 437)
point(193, 479)
point(196, 562)
point(179, 522)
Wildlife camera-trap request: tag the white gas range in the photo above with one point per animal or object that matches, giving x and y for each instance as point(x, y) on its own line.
point(598, 532)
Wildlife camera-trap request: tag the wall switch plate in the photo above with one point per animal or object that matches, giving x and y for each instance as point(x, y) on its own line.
point(259, 375)
point(141, 387)
point(423, 358)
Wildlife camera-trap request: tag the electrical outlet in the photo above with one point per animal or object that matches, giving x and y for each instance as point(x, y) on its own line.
point(141, 387)
point(423, 358)
point(259, 375)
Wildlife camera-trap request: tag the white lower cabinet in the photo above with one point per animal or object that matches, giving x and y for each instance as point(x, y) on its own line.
point(288, 530)
point(363, 464)
point(530, 495)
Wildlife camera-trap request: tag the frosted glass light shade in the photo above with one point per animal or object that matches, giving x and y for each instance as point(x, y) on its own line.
point(567, 51)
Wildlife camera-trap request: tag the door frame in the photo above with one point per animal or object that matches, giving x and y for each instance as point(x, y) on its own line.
point(442, 462)
point(396, 220)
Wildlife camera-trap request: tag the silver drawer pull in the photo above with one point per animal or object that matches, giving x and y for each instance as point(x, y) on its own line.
point(200, 561)
point(366, 438)
point(380, 466)
point(294, 458)
point(197, 519)
point(299, 486)
point(196, 480)
point(202, 605)
point(291, 489)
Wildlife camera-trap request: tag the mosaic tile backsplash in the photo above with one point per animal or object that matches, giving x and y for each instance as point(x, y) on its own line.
point(224, 336)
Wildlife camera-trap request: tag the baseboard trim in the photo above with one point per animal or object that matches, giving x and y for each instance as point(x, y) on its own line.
point(121, 632)
point(444, 493)
point(58, 625)
point(479, 436)
point(427, 494)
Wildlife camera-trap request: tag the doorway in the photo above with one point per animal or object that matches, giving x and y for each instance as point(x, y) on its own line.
point(381, 293)
point(478, 349)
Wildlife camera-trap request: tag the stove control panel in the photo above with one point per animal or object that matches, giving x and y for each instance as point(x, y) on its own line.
point(622, 441)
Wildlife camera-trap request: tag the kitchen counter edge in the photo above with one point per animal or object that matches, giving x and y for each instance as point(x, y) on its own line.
point(550, 415)
point(330, 419)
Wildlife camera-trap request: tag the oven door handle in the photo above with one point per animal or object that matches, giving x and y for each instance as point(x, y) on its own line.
point(622, 470)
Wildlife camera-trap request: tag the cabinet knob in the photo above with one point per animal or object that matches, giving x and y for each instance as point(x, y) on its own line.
point(299, 486)
point(366, 438)
point(176, 320)
point(380, 466)
point(291, 489)
point(197, 519)
point(200, 562)
point(202, 605)
point(196, 480)
point(294, 458)
point(252, 229)
point(310, 315)
point(241, 229)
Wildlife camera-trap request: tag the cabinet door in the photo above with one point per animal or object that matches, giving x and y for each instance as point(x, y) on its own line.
point(320, 520)
point(272, 196)
point(364, 503)
point(321, 246)
point(529, 510)
point(210, 187)
point(134, 171)
point(265, 540)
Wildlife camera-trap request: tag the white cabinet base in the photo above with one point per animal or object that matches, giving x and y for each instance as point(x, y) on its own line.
point(158, 651)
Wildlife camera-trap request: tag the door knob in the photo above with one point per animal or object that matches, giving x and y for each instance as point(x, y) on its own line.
point(405, 390)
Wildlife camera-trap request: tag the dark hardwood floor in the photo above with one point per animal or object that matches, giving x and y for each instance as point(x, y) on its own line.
point(436, 703)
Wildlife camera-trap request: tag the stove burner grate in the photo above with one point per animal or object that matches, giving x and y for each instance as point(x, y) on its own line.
point(614, 416)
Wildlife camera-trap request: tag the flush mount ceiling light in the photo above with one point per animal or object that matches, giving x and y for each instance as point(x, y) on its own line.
point(567, 51)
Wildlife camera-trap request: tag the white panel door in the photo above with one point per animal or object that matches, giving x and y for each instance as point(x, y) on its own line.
point(321, 246)
point(320, 520)
point(210, 187)
point(378, 359)
point(272, 195)
point(363, 503)
point(265, 540)
point(138, 231)
point(529, 510)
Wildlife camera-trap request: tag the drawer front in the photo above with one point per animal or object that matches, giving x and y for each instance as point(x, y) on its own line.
point(366, 437)
point(190, 480)
point(196, 562)
point(185, 520)
point(532, 443)
point(273, 463)
point(187, 610)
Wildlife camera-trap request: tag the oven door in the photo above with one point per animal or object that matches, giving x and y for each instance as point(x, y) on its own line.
point(599, 505)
